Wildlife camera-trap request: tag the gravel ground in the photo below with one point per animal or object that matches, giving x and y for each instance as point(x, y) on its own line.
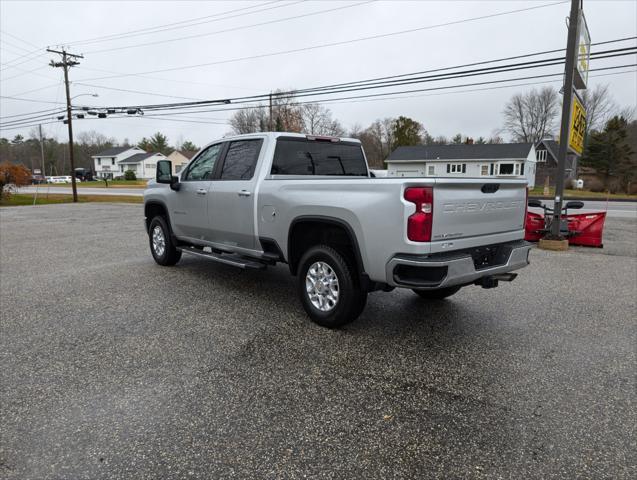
point(113, 367)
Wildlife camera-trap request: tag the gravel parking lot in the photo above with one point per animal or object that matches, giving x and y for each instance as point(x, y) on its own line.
point(113, 367)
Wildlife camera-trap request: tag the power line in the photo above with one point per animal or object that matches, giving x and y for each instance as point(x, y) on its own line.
point(330, 44)
point(18, 38)
point(27, 99)
point(446, 87)
point(233, 29)
point(182, 23)
point(340, 100)
point(360, 86)
point(28, 113)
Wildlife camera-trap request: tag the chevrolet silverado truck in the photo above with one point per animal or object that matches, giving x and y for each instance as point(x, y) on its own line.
point(311, 202)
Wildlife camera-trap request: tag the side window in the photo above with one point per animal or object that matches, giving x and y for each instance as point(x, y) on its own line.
point(202, 167)
point(241, 160)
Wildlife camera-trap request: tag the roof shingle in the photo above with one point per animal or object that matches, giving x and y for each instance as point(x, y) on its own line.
point(461, 152)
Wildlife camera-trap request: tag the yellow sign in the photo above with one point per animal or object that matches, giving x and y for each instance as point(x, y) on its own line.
point(577, 128)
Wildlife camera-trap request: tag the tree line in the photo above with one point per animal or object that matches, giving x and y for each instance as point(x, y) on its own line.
point(528, 117)
point(29, 152)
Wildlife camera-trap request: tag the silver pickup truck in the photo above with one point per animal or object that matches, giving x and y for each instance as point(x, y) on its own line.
point(311, 202)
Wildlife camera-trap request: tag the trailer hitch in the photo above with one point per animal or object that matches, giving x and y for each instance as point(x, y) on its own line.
point(491, 281)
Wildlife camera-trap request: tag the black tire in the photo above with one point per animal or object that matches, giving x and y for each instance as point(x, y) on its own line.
point(350, 300)
point(169, 255)
point(438, 294)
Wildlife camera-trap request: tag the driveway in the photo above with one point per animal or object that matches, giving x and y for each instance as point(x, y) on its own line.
point(113, 367)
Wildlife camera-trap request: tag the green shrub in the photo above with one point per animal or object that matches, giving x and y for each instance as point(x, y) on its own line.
point(130, 175)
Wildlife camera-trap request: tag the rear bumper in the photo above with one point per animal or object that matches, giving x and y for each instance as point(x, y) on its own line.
point(456, 268)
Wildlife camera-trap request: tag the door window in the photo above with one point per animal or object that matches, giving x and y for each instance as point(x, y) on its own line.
point(241, 160)
point(203, 166)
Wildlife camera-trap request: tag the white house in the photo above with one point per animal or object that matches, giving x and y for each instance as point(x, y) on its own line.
point(504, 160)
point(106, 163)
point(144, 165)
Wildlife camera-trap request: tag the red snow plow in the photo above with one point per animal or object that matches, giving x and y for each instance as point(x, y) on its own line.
point(583, 229)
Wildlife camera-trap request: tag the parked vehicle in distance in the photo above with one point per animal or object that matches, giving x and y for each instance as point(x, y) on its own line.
point(61, 179)
point(255, 200)
point(83, 174)
point(38, 179)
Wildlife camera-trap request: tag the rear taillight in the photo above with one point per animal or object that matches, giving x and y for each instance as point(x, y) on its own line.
point(419, 222)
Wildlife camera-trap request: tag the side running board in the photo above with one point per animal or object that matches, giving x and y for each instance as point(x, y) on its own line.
point(226, 258)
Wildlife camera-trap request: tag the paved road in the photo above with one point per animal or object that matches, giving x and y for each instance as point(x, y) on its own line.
point(113, 367)
point(615, 209)
point(86, 190)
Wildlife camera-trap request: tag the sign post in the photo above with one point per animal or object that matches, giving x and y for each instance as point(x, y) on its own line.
point(574, 60)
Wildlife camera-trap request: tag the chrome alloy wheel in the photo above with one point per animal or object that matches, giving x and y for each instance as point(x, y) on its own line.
point(321, 284)
point(159, 241)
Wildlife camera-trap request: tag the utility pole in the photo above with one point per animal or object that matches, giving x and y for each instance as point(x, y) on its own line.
point(68, 60)
point(270, 119)
point(567, 102)
point(42, 150)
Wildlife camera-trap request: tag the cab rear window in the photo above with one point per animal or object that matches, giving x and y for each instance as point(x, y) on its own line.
point(302, 156)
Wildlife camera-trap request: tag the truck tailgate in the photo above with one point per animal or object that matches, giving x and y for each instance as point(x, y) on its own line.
point(473, 207)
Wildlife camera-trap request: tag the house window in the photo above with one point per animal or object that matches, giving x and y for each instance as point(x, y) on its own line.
point(484, 170)
point(112, 161)
point(431, 170)
point(492, 169)
point(99, 161)
point(150, 165)
point(517, 168)
point(505, 169)
point(456, 168)
point(541, 155)
point(123, 167)
point(522, 169)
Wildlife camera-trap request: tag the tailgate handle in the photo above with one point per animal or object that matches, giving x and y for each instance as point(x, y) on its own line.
point(490, 187)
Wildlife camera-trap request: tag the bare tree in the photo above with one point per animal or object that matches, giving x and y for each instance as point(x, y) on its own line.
point(600, 107)
point(317, 120)
point(249, 120)
point(531, 116)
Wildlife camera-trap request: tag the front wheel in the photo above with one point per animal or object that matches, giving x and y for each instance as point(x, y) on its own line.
point(437, 294)
point(161, 244)
point(329, 291)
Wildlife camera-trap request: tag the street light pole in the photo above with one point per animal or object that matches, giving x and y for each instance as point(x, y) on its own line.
point(567, 102)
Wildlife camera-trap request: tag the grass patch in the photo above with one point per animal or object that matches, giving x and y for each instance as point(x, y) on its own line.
point(21, 199)
point(539, 192)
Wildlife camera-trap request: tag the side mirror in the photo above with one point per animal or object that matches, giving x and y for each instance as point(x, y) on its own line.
point(535, 203)
point(575, 204)
point(164, 174)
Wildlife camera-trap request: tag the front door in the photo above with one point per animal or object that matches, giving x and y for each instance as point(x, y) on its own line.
point(231, 200)
point(190, 203)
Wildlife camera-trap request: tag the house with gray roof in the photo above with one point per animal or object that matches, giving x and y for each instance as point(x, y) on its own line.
point(143, 165)
point(503, 160)
point(106, 163)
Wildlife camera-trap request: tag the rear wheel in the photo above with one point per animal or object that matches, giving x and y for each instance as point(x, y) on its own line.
point(438, 294)
point(161, 244)
point(328, 289)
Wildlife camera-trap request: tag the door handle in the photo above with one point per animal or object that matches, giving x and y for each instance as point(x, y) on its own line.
point(244, 193)
point(201, 191)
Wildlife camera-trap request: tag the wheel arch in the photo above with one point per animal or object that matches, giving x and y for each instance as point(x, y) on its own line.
point(308, 230)
point(154, 208)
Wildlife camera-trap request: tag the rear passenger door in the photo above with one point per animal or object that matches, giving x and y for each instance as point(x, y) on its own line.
point(231, 201)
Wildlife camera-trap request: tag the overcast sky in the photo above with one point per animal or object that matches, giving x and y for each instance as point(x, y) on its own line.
point(52, 23)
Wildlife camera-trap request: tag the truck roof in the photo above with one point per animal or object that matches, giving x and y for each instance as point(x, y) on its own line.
point(287, 134)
